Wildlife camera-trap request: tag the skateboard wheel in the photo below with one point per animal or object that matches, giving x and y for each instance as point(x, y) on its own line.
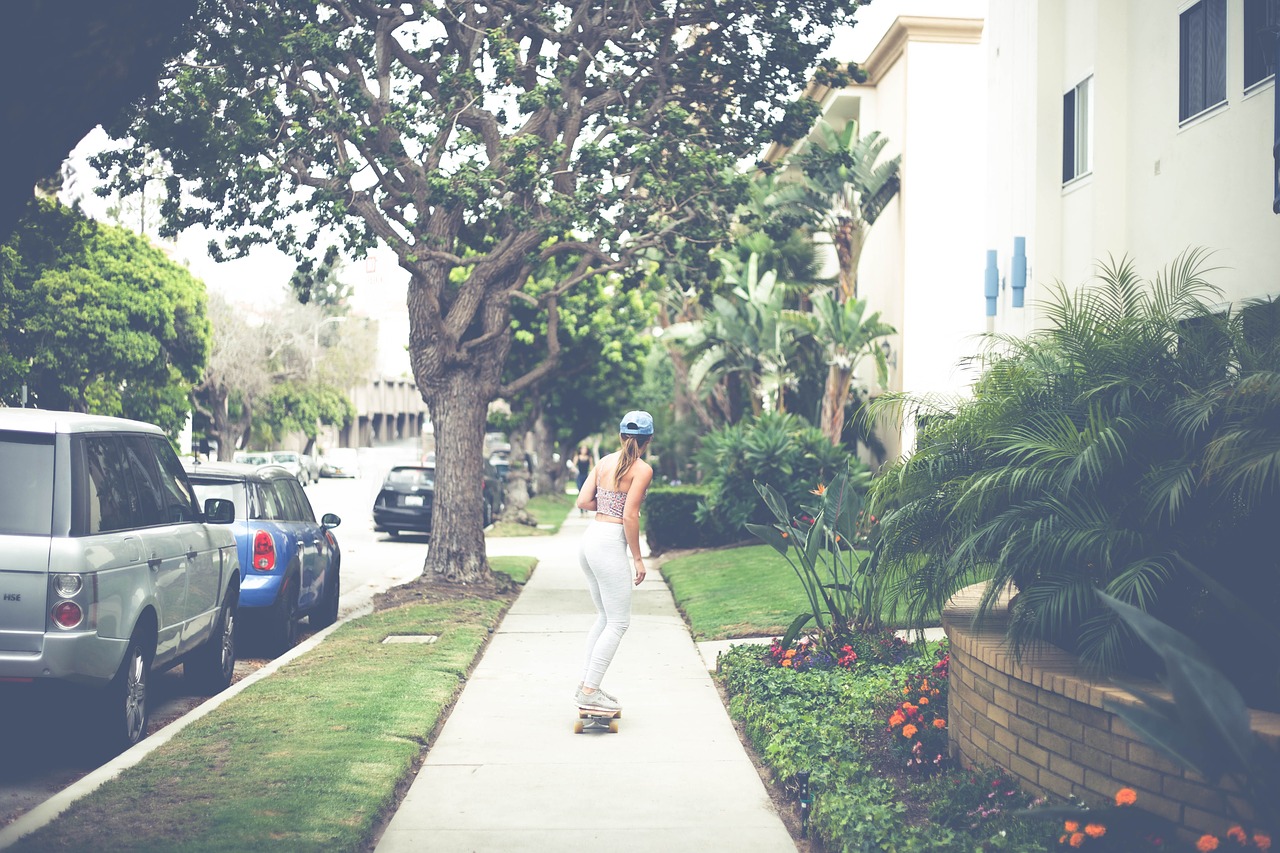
point(613, 726)
point(577, 727)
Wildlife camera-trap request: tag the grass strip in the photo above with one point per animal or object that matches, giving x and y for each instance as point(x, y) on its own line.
point(739, 592)
point(519, 569)
point(546, 509)
point(306, 759)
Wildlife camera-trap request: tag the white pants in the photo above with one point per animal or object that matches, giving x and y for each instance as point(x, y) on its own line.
point(603, 558)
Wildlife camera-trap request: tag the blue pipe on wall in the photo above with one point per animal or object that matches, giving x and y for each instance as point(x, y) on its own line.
point(991, 286)
point(1019, 277)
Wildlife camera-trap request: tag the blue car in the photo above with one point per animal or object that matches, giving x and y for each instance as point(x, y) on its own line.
point(289, 563)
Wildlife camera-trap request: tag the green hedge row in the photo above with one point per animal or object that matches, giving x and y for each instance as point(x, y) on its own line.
point(670, 520)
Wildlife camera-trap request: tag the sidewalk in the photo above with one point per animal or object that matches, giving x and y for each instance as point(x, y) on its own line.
point(508, 773)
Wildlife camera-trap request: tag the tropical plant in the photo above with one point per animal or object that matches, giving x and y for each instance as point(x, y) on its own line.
point(745, 337)
point(818, 545)
point(776, 448)
point(847, 335)
point(844, 190)
point(1108, 451)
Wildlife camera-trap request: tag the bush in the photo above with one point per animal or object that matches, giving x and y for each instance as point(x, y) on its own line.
point(669, 520)
point(777, 448)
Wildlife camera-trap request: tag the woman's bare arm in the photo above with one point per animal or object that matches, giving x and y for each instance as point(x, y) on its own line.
point(640, 479)
point(587, 497)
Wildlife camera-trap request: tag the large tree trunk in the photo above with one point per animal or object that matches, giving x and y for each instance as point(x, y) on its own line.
point(544, 481)
point(459, 405)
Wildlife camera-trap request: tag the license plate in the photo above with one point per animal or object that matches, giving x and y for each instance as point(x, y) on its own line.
point(413, 500)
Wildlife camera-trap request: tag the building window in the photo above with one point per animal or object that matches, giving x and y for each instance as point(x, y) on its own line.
point(1077, 131)
point(1203, 57)
point(1256, 42)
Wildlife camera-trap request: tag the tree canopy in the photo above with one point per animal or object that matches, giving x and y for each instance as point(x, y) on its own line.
point(473, 137)
point(97, 319)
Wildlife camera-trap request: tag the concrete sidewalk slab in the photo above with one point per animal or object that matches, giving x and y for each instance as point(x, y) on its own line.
point(508, 773)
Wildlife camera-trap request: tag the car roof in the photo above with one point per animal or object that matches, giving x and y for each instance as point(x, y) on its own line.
point(49, 421)
point(238, 471)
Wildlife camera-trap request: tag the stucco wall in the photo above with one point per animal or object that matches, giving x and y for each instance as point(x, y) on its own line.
point(1042, 720)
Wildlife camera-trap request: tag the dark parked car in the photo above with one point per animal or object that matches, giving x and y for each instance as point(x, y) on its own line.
point(290, 563)
point(408, 494)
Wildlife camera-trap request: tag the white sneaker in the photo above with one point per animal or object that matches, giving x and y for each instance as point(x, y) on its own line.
point(600, 690)
point(596, 701)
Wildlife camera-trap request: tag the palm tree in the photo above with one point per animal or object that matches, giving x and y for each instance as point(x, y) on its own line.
point(742, 339)
point(844, 190)
point(848, 335)
point(1136, 436)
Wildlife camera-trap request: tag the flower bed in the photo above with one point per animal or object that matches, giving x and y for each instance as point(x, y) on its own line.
point(869, 791)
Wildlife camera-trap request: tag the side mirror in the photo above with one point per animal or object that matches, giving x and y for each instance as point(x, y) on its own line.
point(330, 520)
point(219, 511)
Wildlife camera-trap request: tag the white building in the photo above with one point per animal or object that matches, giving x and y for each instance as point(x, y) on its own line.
point(922, 265)
point(1041, 136)
point(1137, 128)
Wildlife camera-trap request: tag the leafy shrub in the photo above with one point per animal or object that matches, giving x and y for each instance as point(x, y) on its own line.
point(1131, 441)
point(670, 514)
point(775, 448)
point(918, 725)
point(830, 723)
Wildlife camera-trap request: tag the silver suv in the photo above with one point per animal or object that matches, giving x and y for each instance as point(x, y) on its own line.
point(109, 567)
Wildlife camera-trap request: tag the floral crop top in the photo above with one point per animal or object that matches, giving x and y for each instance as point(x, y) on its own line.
point(609, 502)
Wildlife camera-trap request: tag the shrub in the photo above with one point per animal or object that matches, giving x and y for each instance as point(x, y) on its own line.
point(776, 448)
point(670, 520)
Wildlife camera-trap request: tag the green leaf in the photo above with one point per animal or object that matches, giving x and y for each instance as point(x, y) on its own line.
point(770, 535)
point(777, 505)
point(793, 630)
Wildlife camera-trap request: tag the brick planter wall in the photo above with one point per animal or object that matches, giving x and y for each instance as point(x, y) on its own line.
point(1042, 720)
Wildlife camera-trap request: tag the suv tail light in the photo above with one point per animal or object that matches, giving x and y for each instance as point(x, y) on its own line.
point(264, 551)
point(67, 614)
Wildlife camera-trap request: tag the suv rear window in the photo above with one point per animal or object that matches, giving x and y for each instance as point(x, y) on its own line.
point(26, 501)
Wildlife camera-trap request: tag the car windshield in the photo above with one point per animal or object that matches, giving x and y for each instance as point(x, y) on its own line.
point(26, 501)
point(411, 476)
point(227, 491)
point(253, 458)
point(285, 457)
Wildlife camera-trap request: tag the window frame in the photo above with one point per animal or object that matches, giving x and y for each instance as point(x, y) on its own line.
point(1077, 131)
point(1214, 17)
point(1253, 19)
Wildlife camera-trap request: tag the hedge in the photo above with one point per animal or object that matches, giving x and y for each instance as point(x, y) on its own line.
point(669, 520)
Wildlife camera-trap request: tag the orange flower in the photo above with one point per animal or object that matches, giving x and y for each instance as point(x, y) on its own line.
point(791, 653)
point(784, 534)
point(905, 691)
point(896, 719)
point(787, 662)
point(939, 723)
point(821, 490)
point(1207, 843)
point(1095, 830)
point(1077, 839)
point(1126, 797)
point(1071, 826)
point(909, 730)
point(1236, 834)
point(924, 700)
point(924, 685)
point(1262, 841)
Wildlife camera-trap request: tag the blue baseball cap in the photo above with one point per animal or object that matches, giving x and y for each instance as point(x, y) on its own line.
point(636, 423)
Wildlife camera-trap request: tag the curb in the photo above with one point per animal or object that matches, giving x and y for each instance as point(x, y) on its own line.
point(45, 813)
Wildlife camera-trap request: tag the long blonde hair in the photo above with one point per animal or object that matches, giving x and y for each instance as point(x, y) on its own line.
point(632, 448)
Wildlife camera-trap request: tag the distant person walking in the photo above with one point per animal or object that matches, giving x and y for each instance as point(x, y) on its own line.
point(610, 554)
point(582, 459)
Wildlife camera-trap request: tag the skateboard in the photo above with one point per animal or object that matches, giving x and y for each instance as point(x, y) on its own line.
point(594, 719)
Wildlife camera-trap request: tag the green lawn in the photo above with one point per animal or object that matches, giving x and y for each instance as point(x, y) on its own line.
point(737, 592)
point(307, 759)
point(517, 568)
point(547, 509)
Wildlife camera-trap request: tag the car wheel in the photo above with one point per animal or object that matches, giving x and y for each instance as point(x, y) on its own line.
point(328, 612)
point(126, 709)
point(392, 532)
point(282, 630)
point(211, 667)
